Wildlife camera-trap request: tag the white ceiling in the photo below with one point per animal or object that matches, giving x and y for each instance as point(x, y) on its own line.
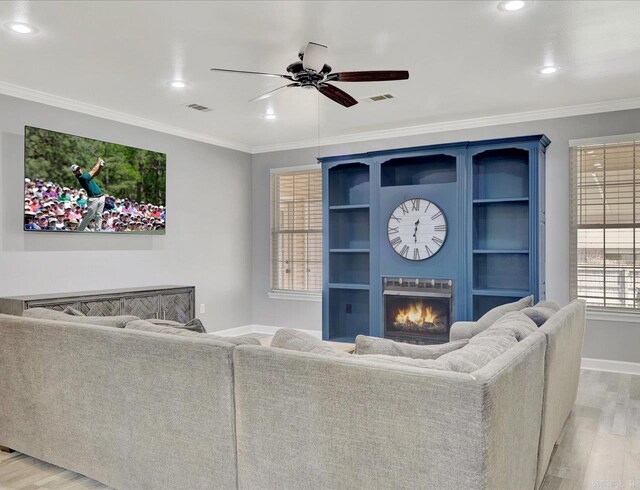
point(466, 60)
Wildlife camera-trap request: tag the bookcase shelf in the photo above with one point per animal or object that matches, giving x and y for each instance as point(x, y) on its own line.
point(349, 267)
point(419, 170)
point(349, 185)
point(501, 225)
point(348, 312)
point(501, 173)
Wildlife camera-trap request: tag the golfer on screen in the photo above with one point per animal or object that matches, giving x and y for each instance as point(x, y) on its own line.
point(95, 197)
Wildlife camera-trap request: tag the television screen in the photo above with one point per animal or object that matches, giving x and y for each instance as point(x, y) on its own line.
point(76, 184)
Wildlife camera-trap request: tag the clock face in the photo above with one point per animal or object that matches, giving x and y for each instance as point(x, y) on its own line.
point(417, 229)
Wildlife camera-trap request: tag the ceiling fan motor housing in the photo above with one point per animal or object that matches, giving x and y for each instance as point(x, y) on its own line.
point(306, 77)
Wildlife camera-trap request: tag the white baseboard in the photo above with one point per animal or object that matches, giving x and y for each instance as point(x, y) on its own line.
point(611, 366)
point(264, 329)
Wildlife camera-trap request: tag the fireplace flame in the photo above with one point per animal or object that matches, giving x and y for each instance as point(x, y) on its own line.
point(416, 314)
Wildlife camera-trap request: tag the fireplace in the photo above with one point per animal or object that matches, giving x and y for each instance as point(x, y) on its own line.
point(416, 310)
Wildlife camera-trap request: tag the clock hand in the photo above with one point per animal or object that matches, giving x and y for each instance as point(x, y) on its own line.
point(415, 238)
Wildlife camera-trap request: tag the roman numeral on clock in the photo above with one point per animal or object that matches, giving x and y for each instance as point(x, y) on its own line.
point(416, 254)
point(404, 208)
point(393, 216)
point(437, 215)
point(396, 241)
point(415, 204)
point(437, 241)
point(391, 230)
point(404, 251)
point(429, 252)
point(440, 228)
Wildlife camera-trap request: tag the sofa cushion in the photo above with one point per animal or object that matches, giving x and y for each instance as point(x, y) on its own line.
point(366, 345)
point(490, 317)
point(292, 339)
point(105, 321)
point(162, 329)
point(479, 352)
point(516, 321)
point(194, 325)
point(72, 311)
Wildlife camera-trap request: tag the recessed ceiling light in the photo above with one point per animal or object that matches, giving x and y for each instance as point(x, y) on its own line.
point(178, 84)
point(21, 28)
point(270, 117)
point(548, 70)
point(512, 5)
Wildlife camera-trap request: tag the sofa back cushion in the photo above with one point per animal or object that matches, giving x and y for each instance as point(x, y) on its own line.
point(163, 329)
point(493, 315)
point(466, 358)
point(104, 321)
point(479, 352)
point(366, 345)
point(516, 322)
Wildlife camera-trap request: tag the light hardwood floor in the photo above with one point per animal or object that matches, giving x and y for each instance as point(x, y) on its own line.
point(599, 447)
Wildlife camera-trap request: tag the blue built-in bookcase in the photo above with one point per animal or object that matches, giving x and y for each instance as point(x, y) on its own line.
point(492, 194)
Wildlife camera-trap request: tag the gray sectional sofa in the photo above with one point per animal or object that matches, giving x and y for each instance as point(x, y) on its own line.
point(136, 409)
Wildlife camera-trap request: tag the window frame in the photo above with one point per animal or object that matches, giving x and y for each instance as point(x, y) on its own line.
point(601, 313)
point(284, 294)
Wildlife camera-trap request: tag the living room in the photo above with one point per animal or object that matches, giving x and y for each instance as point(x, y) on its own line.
point(455, 176)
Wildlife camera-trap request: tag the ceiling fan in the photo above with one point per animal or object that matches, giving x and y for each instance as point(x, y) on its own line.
point(312, 72)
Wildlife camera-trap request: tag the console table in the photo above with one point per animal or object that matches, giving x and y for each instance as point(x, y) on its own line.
point(175, 303)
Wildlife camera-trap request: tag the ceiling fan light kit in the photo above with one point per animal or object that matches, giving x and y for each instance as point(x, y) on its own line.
point(311, 72)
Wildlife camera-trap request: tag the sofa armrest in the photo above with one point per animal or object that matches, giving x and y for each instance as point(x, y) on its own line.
point(461, 330)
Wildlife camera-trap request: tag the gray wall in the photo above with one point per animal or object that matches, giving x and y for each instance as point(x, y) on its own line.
point(605, 341)
point(208, 238)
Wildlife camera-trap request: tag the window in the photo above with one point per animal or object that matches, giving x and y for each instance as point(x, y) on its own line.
point(296, 231)
point(605, 222)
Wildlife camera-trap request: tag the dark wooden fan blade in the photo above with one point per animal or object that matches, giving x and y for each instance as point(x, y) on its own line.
point(288, 77)
point(268, 94)
point(369, 76)
point(337, 95)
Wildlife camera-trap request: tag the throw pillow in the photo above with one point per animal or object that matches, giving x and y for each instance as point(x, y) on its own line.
point(104, 321)
point(374, 345)
point(490, 317)
point(146, 326)
point(72, 311)
point(549, 304)
point(516, 321)
point(538, 314)
point(194, 325)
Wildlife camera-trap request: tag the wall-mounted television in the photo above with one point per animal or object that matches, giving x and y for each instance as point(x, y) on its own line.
point(82, 185)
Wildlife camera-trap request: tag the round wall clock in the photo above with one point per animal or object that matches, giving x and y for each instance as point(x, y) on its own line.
point(417, 229)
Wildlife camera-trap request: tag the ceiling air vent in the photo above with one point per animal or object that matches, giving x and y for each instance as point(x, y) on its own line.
point(198, 107)
point(378, 98)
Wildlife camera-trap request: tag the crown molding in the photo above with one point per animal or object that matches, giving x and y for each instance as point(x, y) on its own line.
point(516, 117)
point(122, 117)
point(477, 122)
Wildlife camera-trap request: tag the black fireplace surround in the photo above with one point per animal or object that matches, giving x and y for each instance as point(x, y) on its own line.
point(417, 310)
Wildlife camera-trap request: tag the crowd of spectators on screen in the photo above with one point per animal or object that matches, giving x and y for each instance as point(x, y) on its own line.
point(52, 207)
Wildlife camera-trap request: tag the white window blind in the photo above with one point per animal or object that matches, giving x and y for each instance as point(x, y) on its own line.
point(296, 231)
point(605, 223)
